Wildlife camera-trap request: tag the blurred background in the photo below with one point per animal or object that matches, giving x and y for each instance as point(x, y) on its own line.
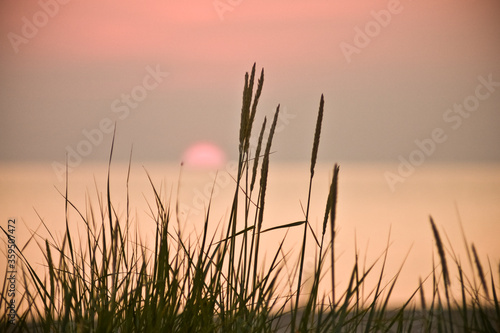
point(388, 79)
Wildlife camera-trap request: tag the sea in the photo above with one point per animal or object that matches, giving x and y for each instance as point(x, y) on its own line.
point(374, 219)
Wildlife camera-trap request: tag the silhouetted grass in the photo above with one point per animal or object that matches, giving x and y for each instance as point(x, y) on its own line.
point(109, 280)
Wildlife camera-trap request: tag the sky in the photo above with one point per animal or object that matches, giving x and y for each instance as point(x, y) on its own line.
point(397, 77)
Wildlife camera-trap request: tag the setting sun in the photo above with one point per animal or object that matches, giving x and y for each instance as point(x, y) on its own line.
point(204, 155)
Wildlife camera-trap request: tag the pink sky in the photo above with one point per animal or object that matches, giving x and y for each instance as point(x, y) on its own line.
point(100, 31)
point(425, 59)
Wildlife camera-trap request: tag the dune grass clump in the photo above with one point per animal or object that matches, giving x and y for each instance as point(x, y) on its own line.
point(110, 280)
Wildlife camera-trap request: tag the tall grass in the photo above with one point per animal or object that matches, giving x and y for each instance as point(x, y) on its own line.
point(110, 280)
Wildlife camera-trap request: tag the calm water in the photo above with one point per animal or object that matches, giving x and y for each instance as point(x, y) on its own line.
point(367, 208)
